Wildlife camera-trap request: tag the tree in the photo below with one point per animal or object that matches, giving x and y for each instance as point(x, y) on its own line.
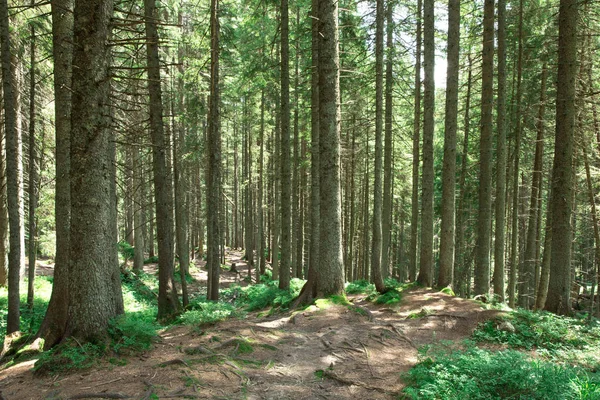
point(168, 303)
point(377, 194)
point(425, 277)
point(449, 168)
point(484, 217)
point(561, 203)
point(213, 175)
point(55, 320)
point(13, 143)
point(93, 301)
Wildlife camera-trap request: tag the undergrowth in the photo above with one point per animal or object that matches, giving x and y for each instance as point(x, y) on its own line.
point(483, 374)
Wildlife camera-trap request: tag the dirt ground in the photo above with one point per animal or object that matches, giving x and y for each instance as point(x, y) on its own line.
point(335, 352)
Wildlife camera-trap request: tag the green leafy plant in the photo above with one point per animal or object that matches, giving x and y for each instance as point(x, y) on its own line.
point(70, 355)
point(482, 374)
point(131, 334)
point(203, 312)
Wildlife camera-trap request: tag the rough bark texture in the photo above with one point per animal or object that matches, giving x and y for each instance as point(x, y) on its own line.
point(377, 171)
point(138, 258)
point(92, 298)
point(261, 267)
point(499, 241)
point(3, 210)
point(286, 185)
point(484, 218)
point(53, 326)
point(13, 141)
point(213, 186)
point(414, 222)
point(168, 303)
point(386, 213)
point(33, 176)
point(425, 277)
point(558, 300)
point(447, 243)
point(331, 269)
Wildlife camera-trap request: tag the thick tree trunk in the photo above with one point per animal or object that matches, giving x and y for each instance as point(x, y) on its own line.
point(3, 210)
point(559, 289)
point(168, 303)
point(484, 218)
point(425, 277)
point(447, 238)
point(93, 300)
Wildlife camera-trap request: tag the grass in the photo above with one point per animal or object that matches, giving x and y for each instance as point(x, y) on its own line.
point(483, 374)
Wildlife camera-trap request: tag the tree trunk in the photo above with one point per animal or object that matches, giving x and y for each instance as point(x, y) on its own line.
point(33, 175)
point(500, 215)
point(3, 210)
point(168, 303)
point(562, 173)
point(447, 243)
point(484, 218)
point(13, 143)
point(386, 213)
point(213, 195)
point(377, 189)
point(138, 258)
point(55, 320)
point(93, 301)
point(425, 277)
point(260, 215)
point(414, 222)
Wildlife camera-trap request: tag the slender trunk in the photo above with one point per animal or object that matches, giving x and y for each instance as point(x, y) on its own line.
point(414, 222)
point(168, 302)
point(425, 277)
point(138, 258)
point(484, 218)
point(500, 215)
point(447, 243)
point(261, 268)
point(249, 220)
point(213, 192)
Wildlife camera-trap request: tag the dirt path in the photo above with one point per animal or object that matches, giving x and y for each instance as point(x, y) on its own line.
point(335, 352)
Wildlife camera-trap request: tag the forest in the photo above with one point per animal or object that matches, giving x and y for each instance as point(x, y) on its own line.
point(225, 199)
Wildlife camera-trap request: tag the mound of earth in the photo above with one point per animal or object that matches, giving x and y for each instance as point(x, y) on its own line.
point(333, 352)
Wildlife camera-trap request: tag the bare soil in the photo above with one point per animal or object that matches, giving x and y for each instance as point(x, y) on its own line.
point(335, 352)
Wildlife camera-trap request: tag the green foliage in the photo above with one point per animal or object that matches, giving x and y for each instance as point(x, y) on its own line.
point(151, 260)
point(131, 333)
point(69, 356)
point(360, 287)
point(203, 312)
point(31, 319)
point(541, 330)
point(448, 290)
point(263, 295)
point(482, 374)
point(392, 296)
point(423, 313)
point(126, 251)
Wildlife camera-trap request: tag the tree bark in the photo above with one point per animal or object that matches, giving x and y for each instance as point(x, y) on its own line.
point(168, 303)
point(447, 238)
point(425, 277)
point(559, 288)
point(93, 301)
point(484, 218)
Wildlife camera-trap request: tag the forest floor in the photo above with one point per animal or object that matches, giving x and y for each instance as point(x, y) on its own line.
point(327, 351)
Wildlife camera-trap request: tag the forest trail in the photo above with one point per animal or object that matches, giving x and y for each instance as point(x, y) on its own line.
point(327, 351)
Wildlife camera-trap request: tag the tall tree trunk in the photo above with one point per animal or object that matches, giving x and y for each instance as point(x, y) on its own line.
point(55, 320)
point(295, 239)
point(459, 265)
point(249, 220)
point(500, 215)
point(447, 243)
point(213, 192)
point(425, 277)
point(484, 218)
point(33, 175)
point(3, 209)
point(260, 215)
point(414, 222)
point(168, 303)
point(138, 258)
point(284, 273)
point(536, 189)
point(377, 189)
point(13, 142)
point(559, 287)
point(386, 213)
point(93, 301)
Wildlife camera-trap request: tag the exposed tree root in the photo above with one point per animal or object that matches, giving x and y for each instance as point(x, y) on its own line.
point(100, 396)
